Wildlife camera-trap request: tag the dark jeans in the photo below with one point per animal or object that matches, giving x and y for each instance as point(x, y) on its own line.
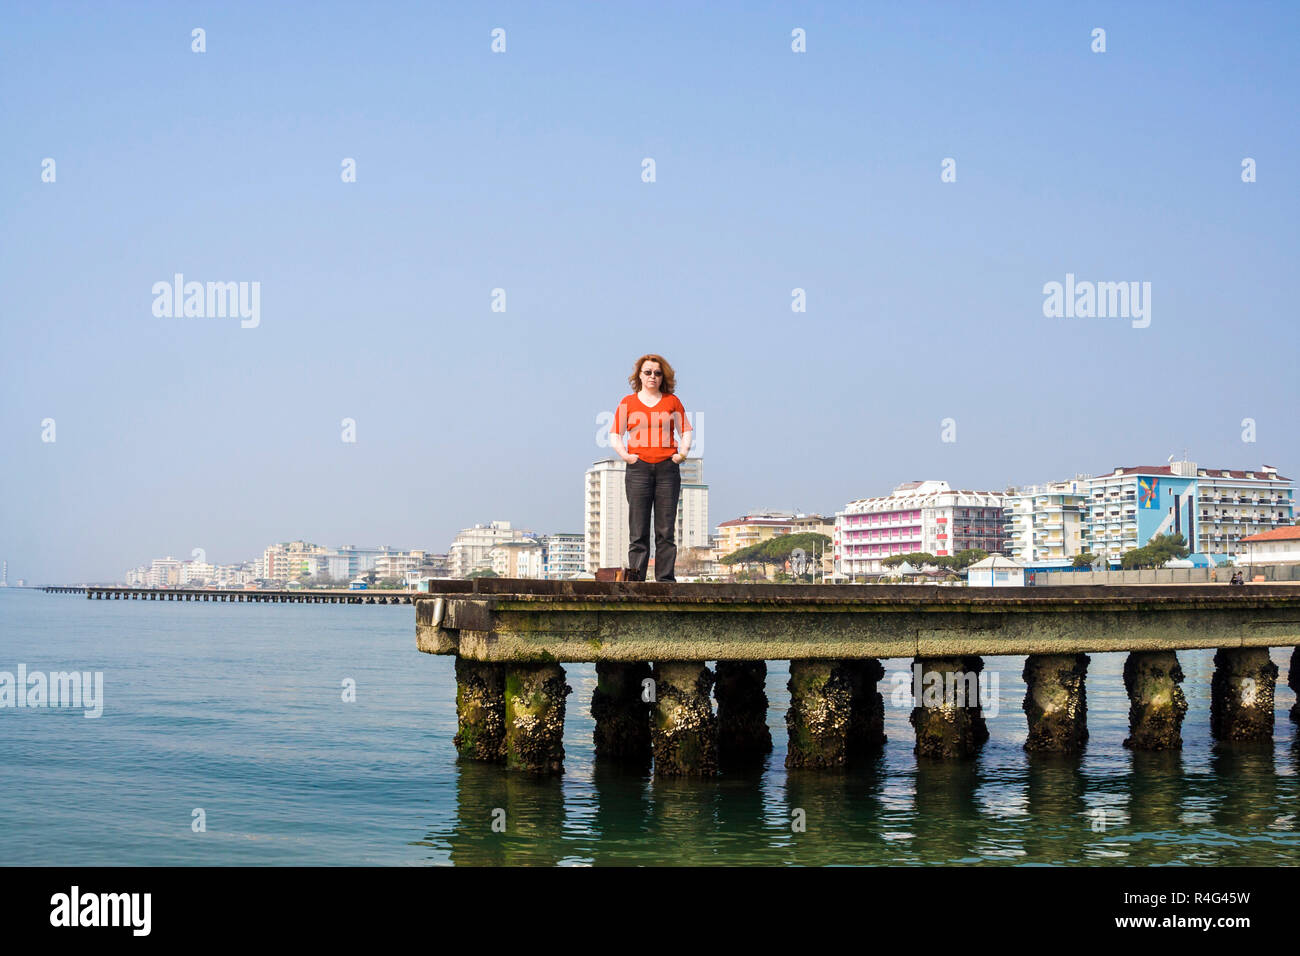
point(658, 485)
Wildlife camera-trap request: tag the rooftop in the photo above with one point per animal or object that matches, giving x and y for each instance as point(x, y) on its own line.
point(1289, 533)
point(1258, 474)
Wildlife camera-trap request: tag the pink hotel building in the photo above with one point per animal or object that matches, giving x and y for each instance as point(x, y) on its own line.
point(917, 516)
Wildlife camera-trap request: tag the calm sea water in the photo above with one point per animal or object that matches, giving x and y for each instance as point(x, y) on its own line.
point(238, 710)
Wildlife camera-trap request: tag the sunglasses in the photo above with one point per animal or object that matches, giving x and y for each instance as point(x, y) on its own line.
point(656, 373)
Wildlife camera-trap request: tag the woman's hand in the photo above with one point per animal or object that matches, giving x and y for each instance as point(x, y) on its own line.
point(679, 458)
point(631, 459)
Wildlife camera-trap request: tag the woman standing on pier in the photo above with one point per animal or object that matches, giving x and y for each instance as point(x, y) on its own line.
point(651, 416)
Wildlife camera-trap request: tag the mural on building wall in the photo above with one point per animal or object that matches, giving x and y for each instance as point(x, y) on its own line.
point(1156, 499)
point(1149, 492)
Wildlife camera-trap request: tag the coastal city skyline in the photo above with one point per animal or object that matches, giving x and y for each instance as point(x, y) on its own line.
point(1106, 514)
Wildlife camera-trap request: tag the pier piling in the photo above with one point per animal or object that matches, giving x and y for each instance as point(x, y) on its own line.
point(620, 707)
point(480, 710)
point(1241, 694)
point(1156, 702)
point(684, 731)
point(1056, 702)
point(534, 717)
point(948, 719)
point(836, 715)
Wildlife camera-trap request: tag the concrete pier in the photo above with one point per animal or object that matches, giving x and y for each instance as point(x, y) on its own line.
point(744, 738)
point(1241, 694)
point(948, 719)
point(243, 596)
point(1156, 702)
point(836, 714)
point(480, 710)
point(835, 635)
point(685, 732)
point(1056, 702)
point(622, 713)
point(534, 717)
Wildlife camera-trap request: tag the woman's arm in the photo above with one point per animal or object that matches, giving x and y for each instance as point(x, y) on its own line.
point(616, 433)
point(616, 442)
point(684, 445)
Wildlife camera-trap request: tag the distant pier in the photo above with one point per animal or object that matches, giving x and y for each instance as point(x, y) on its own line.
point(653, 704)
point(238, 595)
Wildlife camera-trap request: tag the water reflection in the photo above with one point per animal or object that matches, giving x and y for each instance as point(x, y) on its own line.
point(1058, 818)
point(1239, 808)
point(506, 819)
point(1156, 792)
point(839, 812)
point(946, 820)
point(621, 817)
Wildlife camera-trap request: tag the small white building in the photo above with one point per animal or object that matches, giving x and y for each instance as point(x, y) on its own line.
point(1276, 546)
point(996, 571)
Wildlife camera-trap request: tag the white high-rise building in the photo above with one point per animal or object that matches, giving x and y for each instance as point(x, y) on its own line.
point(346, 562)
point(470, 551)
point(234, 575)
point(605, 507)
point(1047, 523)
point(164, 572)
point(606, 522)
point(1212, 508)
point(692, 509)
point(917, 516)
point(197, 572)
point(397, 564)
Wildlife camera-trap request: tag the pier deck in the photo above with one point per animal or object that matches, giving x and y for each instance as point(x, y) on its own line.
point(511, 620)
point(237, 595)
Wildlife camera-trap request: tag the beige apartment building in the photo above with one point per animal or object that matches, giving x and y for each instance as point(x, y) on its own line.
point(397, 564)
point(749, 530)
point(517, 559)
point(286, 562)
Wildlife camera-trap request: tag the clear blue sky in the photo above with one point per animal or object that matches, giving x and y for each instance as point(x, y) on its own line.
point(522, 170)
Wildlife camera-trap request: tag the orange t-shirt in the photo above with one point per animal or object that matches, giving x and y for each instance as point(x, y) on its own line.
point(650, 427)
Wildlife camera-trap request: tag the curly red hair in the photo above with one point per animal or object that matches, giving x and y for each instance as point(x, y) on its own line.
point(669, 381)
